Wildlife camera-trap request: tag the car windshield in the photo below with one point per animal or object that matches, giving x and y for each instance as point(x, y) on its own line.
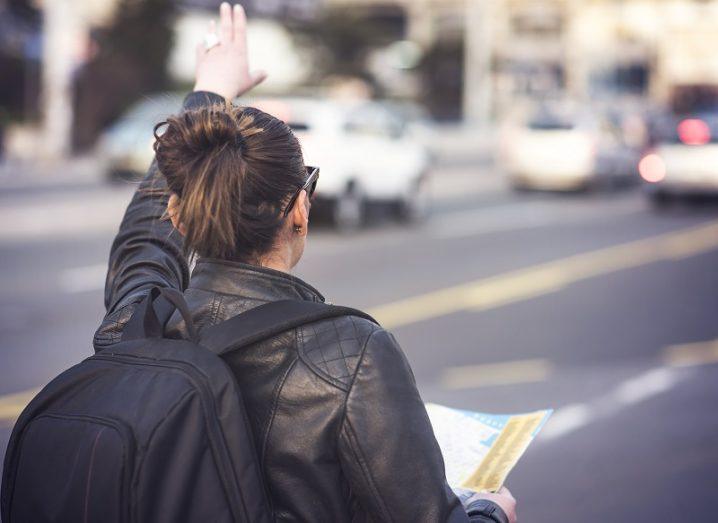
point(550, 121)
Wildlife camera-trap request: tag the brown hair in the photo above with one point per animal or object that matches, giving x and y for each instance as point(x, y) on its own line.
point(233, 169)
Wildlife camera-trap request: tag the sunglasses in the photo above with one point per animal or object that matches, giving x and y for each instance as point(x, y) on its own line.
point(310, 186)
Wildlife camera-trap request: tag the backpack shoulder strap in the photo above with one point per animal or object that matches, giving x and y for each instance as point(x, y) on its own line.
point(268, 320)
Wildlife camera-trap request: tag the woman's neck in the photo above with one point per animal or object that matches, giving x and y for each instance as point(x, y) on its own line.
point(279, 261)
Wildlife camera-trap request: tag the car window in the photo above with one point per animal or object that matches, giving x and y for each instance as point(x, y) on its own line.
point(545, 121)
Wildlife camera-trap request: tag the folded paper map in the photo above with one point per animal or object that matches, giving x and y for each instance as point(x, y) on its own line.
point(481, 449)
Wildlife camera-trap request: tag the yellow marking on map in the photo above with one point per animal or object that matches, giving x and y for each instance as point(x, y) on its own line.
point(523, 284)
point(690, 354)
point(510, 445)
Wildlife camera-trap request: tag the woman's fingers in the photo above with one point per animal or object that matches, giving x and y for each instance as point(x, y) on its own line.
point(256, 78)
point(226, 31)
point(506, 492)
point(240, 25)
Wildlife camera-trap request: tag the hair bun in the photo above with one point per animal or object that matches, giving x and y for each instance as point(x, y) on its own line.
point(234, 169)
point(208, 129)
point(192, 136)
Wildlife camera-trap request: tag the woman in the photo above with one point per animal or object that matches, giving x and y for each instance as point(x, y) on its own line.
point(340, 429)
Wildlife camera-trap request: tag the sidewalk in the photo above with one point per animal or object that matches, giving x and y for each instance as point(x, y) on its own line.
point(452, 145)
point(72, 172)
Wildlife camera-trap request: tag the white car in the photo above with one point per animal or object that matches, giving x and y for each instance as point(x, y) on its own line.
point(566, 151)
point(126, 146)
point(684, 160)
point(367, 153)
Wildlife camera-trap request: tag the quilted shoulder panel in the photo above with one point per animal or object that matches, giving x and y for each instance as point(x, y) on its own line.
point(333, 347)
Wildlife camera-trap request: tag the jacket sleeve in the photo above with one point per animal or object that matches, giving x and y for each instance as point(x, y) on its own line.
point(387, 446)
point(147, 250)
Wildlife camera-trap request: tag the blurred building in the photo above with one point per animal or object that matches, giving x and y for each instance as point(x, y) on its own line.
point(468, 59)
point(515, 50)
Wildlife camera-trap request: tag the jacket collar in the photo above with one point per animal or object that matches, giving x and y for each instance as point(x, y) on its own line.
point(250, 281)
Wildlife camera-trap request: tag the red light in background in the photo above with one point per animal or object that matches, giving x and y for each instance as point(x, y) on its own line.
point(652, 168)
point(694, 132)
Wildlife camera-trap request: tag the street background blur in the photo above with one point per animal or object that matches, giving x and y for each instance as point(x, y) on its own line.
point(521, 190)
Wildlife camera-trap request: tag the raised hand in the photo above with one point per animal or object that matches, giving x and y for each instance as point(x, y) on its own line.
point(223, 68)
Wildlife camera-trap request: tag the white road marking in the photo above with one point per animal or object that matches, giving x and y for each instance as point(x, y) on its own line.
point(644, 386)
point(635, 390)
point(566, 420)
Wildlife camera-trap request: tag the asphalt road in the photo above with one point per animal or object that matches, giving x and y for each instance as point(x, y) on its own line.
point(593, 305)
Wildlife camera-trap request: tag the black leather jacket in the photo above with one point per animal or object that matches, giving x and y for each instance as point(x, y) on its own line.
point(340, 429)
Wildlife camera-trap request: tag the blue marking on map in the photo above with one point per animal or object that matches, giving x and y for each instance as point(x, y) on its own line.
point(495, 421)
point(490, 440)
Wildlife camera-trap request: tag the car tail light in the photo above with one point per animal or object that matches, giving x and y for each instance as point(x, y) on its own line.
point(652, 168)
point(693, 131)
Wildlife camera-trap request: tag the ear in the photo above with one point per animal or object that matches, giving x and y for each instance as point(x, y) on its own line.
point(300, 214)
point(173, 213)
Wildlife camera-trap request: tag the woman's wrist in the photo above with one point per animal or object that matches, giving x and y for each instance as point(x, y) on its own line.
point(200, 88)
point(197, 99)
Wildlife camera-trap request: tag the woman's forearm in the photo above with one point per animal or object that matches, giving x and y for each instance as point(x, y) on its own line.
point(147, 251)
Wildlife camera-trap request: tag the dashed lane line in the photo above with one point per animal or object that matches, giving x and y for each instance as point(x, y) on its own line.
point(493, 374)
point(691, 354)
point(635, 390)
point(523, 284)
point(11, 405)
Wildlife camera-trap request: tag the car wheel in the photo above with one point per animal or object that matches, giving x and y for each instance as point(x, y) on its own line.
point(518, 185)
point(660, 199)
point(350, 207)
point(605, 183)
point(414, 208)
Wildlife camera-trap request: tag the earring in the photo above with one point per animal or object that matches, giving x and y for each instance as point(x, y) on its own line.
point(297, 228)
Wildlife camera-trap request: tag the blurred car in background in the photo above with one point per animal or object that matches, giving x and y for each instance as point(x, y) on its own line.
point(559, 148)
point(369, 153)
point(125, 148)
point(684, 158)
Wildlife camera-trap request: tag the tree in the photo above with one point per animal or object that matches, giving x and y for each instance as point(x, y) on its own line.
point(130, 60)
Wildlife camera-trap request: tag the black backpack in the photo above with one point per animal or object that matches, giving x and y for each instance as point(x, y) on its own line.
point(148, 430)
